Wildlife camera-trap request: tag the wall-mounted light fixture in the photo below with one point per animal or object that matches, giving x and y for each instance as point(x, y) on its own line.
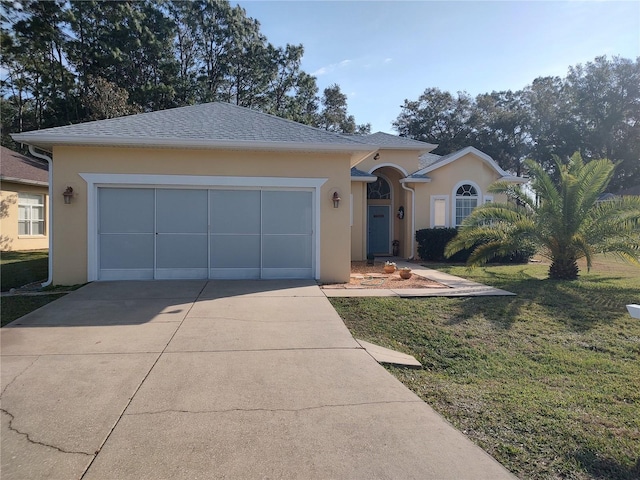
point(376, 156)
point(67, 194)
point(336, 199)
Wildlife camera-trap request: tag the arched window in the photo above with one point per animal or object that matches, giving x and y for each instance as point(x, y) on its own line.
point(466, 200)
point(379, 190)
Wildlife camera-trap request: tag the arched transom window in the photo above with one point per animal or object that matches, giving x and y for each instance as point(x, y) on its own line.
point(466, 201)
point(379, 190)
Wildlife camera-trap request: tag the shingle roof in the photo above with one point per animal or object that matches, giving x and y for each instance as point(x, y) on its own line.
point(22, 169)
point(428, 159)
point(213, 124)
point(359, 173)
point(386, 140)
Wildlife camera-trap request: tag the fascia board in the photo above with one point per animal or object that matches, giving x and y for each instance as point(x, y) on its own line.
point(23, 181)
point(47, 141)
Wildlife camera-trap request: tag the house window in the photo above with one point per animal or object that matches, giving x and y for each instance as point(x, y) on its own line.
point(466, 201)
point(379, 190)
point(30, 214)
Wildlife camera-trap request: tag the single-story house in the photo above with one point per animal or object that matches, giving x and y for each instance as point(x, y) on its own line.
point(220, 191)
point(24, 202)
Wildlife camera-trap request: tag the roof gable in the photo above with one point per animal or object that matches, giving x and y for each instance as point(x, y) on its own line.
point(452, 157)
point(19, 168)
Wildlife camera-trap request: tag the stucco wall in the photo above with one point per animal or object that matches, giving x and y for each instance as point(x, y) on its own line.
point(70, 225)
point(9, 238)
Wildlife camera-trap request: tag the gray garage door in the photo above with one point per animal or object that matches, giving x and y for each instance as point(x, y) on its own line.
point(147, 233)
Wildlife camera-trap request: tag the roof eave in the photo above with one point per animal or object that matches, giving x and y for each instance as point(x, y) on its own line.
point(362, 178)
point(47, 142)
point(514, 179)
point(415, 180)
point(24, 181)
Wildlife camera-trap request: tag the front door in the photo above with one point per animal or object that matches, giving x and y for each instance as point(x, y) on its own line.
point(379, 227)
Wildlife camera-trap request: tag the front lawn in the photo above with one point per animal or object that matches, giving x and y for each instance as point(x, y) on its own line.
point(546, 382)
point(21, 268)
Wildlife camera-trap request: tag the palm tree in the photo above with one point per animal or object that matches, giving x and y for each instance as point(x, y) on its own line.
point(565, 222)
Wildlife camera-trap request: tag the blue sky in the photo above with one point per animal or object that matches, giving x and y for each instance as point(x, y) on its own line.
point(383, 52)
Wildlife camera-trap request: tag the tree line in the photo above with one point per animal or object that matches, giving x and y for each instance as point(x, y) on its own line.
point(66, 62)
point(594, 110)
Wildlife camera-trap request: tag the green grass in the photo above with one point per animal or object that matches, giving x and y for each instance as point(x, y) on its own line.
point(547, 382)
point(21, 268)
point(18, 269)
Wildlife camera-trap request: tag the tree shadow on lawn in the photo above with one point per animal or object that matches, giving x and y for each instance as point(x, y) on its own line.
point(580, 305)
point(19, 273)
point(601, 467)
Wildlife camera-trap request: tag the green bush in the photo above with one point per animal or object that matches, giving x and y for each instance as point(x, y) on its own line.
point(432, 241)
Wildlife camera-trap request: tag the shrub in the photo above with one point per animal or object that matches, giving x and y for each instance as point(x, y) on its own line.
point(432, 241)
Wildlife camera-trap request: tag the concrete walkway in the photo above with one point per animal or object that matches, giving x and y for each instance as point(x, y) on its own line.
point(456, 286)
point(197, 379)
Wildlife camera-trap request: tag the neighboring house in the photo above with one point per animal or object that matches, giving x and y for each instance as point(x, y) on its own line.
point(220, 191)
point(24, 202)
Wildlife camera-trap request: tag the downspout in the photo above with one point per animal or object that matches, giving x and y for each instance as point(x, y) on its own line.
point(413, 218)
point(48, 159)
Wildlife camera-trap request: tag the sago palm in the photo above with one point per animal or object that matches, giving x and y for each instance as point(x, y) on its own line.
point(564, 222)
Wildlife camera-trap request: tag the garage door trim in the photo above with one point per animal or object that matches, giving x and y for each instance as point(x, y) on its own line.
point(99, 180)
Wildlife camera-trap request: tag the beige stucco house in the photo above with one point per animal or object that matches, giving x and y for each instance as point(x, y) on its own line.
point(220, 191)
point(24, 202)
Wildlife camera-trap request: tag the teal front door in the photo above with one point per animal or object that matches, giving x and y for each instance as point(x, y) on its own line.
point(378, 229)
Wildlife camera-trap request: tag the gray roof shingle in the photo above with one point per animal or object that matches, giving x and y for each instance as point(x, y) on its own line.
point(23, 169)
point(386, 140)
point(207, 124)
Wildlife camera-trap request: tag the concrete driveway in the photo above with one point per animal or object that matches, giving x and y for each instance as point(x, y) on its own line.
point(200, 380)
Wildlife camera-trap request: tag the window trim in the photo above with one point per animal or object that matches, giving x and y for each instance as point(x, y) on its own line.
point(454, 196)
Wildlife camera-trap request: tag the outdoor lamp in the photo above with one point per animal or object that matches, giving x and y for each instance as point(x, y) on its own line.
point(67, 194)
point(336, 199)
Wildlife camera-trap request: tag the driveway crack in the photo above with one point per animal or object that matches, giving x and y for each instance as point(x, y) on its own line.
point(301, 409)
point(18, 376)
point(35, 442)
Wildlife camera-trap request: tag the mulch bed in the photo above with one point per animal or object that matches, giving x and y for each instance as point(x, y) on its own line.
point(367, 276)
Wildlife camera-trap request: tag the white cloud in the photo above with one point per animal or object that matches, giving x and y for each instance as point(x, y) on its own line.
point(331, 68)
point(388, 60)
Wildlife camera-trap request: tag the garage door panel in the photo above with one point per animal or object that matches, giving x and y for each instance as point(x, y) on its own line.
point(126, 210)
point(126, 251)
point(287, 212)
point(235, 211)
point(235, 251)
point(181, 211)
point(181, 251)
point(286, 251)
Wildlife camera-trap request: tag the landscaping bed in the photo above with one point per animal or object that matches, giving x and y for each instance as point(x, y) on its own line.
point(373, 276)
